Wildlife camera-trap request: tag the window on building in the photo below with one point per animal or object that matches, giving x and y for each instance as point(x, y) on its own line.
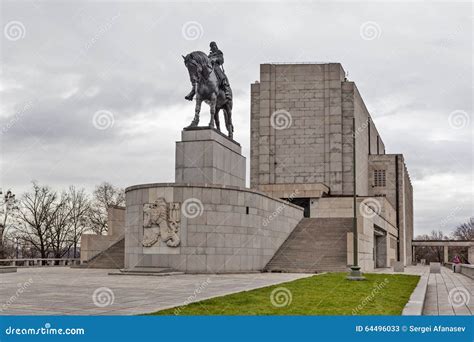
point(379, 178)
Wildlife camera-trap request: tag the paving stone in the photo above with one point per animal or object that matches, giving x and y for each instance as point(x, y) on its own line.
point(66, 291)
point(437, 301)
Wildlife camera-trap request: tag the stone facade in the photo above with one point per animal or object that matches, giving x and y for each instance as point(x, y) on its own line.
point(375, 227)
point(289, 191)
point(398, 190)
point(316, 147)
point(302, 119)
point(222, 229)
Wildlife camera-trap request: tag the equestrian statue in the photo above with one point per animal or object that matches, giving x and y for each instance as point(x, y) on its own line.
point(210, 84)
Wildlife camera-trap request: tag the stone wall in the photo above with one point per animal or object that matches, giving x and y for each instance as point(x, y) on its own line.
point(235, 230)
point(400, 194)
point(407, 213)
point(115, 221)
point(308, 150)
point(376, 145)
point(382, 219)
point(315, 144)
point(362, 119)
point(93, 244)
point(258, 139)
point(467, 270)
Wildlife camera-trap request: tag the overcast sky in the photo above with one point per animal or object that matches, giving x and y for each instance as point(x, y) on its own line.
point(93, 91)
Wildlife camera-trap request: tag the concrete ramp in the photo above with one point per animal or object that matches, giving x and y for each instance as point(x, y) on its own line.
point(112, 257)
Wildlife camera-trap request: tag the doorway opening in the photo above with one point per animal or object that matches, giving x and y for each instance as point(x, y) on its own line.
point(380, 248)
point(303, 202)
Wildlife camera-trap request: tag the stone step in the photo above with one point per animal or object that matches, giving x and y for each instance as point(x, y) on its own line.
point(315, 245)
point(147, 269)
point(155, 274)
point(8, 269)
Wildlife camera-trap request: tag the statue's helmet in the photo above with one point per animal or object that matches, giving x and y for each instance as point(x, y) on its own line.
point(213, 45)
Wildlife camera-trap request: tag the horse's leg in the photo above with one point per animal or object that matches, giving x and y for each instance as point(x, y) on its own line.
point(191, 94)
point(212, 104)
point(216, 119)
point(197, 110)
point(228, 119)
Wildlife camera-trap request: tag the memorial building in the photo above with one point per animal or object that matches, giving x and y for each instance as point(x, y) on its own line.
point(297, 215)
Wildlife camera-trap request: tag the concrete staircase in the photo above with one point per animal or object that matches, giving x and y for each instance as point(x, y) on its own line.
point(112, 257)
point(315, 245)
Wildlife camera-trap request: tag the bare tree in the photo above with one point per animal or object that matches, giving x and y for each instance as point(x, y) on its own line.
point(104, 195)
point(37, 212)
point(61, 227)
point(8, 216)
point(431, 253)
point(10, 244)
point(80, 208)
point(465, 231)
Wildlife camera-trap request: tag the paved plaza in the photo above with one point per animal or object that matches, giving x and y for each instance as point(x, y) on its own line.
point(67, 291)
point(437, 300)
point(439, 288)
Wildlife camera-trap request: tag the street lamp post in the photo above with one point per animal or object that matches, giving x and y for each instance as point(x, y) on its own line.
point(355, 273)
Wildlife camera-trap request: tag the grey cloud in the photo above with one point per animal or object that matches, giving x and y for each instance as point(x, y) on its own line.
point(124, 57)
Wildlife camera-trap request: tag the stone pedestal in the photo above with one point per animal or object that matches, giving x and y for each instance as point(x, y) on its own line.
point(206, 156)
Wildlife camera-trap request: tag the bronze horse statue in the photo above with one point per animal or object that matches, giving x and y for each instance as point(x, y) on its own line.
point(206, 87)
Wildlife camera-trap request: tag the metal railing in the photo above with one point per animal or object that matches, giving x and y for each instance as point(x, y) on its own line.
point(40, 262)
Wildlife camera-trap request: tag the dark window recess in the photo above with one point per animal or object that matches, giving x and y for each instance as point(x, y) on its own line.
point(247, 210)
point(380, 178)
point(301, 202)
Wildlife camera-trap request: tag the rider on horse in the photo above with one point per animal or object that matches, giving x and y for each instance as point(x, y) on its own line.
point(217, 60)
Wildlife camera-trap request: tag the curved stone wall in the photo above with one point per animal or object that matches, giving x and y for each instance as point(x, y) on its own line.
point(221, 229)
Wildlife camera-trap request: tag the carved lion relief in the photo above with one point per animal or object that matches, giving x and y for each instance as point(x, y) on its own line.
point(161, 219)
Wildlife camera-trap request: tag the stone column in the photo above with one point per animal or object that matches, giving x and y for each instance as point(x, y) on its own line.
point(470, 255)
point(446, 254)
